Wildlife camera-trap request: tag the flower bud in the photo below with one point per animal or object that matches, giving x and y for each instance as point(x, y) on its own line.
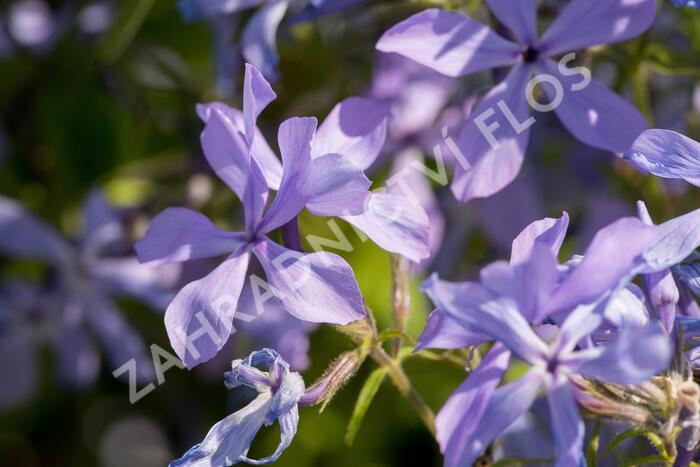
point(335, 377)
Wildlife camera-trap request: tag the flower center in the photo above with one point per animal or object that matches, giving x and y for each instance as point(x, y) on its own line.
point(531, 54)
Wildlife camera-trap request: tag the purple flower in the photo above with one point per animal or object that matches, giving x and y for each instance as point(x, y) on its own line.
point(78, 304)
point(666, 154)
point(321, 171)
point(279, 391)
point(511, 297)
point(455, 45)
point(637, 354)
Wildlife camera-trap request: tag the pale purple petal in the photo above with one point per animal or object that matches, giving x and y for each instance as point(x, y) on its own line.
point(98, 214)
point(584, 23)
point(506, 404)
point(227, 151)
point(594, 115)
point(295, 136)
point(578, 325)
point(519, 16)
point(261, 152)
point(180, 234)
point(567, 426)
point(152, 285)
point(317, 287)
point(355, 128)
point(229, 440)
point(77, 360)
point(23, 235)
point(636, 355)
point(613, 256)
point(443, 332)
point(548, 231)
point(201, 315)
point(666, 154)
point(493, 156)
point(449, 43)
point(340, 187)
point(678, 238)
point(475, 308)
point(409, 180)
point(458, 420)
point(120, 342)
point(260, 35)
point(395, 223)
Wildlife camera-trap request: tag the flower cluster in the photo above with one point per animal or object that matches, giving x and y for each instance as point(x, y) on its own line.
point(591, 326)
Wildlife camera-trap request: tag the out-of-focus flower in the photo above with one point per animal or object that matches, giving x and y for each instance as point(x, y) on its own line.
point(279, 391)
point(259, 36)
point(666, 154)
point(455, 45)
point(686, 3)
point(78, 303)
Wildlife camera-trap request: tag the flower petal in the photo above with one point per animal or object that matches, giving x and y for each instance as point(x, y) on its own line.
point(260, 36)
point(594, 114)
point(395, 223)
point(666, 154)
point(520, 17)
point(584, 23)
point(611, 259)
point(295, 136)
point(228, 153)
point(506, 404)
point(318, 287)
point(180, 234)
point(443, 332)
point(260, 151)
point(119, 340)
point(200, 317)
point(340, 186)
point(475, 308)
point(449, 43)
point(677, 239)
point(636, 355)
point(548, 231)
point(567, 426)
point(229, 440)
point(458, 419)
point(355, 128)
point(23, 235)
point(494, 153)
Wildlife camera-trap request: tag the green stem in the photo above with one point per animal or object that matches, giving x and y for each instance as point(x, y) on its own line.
point(404, 386)
point(401, 300)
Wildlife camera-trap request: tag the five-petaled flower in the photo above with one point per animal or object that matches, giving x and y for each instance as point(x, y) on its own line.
point(456, 45)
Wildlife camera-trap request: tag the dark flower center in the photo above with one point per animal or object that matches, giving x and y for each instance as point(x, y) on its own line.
point(531, 55)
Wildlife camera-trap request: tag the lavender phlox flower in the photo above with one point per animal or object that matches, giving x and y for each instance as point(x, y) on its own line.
point(278, 393)
point(77, 304)
point(322, 171)
point(495, 136)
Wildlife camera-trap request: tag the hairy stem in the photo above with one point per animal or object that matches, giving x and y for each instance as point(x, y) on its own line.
point(401, 300)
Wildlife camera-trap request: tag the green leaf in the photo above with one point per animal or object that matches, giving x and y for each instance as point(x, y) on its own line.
point(125, 29)
point(367, 393)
